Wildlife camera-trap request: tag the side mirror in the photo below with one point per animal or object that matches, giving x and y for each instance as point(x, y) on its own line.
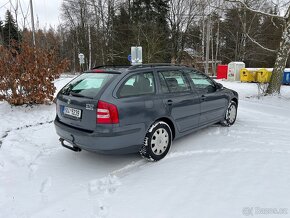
point(219, 86)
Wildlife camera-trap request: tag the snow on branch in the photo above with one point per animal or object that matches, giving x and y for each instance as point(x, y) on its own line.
point(256, 11)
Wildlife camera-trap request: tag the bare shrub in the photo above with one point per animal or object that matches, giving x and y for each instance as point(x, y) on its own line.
point(262, 89)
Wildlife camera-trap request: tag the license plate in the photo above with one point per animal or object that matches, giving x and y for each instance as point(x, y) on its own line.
point(72, 112)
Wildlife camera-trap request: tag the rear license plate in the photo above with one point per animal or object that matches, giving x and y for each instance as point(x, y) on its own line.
point(72, 112)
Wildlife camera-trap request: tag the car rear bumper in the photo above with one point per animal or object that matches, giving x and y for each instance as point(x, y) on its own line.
point(115, 140)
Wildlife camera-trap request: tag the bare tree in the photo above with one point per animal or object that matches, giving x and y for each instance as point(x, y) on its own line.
point(181, 15)
point(284, 48)
point(77, 16)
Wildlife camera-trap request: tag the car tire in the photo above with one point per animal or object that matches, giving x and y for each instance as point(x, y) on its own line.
point(231, 114)
point(157, 141)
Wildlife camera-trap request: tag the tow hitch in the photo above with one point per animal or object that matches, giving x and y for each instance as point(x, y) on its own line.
point(73, 148)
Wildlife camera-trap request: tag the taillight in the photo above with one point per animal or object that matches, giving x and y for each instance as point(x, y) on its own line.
point(107, 113)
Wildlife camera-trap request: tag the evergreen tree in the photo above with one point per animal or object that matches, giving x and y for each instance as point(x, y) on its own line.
point(123, 36)
point(151, 29)
point(235, 45)
point(238, 46)
point(271, 33)
point(10, 30)
point(1, 32)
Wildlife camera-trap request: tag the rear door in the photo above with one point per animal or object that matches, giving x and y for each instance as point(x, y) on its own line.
point(77, 101)
point(213, 100)
point(178, 99)
point(135, 97)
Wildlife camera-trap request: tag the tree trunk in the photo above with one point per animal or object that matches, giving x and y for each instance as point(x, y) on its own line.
point(90, 47)
point(207, 45)
point(280, 63)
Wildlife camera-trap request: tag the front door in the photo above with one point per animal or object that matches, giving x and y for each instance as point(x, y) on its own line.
point(213, 100)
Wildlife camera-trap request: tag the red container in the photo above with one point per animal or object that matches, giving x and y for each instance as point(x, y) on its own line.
point(222, 72)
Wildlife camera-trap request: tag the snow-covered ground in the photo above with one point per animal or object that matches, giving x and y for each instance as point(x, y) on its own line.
point(216, 172)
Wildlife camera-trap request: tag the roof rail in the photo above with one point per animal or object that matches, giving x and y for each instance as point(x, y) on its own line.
point(154, 65)
point(110, 66)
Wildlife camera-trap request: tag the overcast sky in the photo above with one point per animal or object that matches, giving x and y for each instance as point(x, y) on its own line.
point(47, 11)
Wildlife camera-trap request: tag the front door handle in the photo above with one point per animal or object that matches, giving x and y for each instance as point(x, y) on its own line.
point(203, 98)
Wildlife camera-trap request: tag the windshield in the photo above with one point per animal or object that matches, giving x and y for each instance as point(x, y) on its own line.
point(87, 84)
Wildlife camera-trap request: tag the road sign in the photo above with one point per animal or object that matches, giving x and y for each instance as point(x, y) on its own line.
point(136, 55)
point(81, 58)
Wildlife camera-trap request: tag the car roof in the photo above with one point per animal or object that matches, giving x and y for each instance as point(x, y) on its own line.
point(155, 65)
point(124, 68)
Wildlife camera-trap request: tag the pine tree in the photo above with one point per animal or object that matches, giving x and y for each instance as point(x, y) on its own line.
point(271, 33)
point(1, 32)
point(10, 30)
point(123, 36)
point(235, 45)
point(151, 29)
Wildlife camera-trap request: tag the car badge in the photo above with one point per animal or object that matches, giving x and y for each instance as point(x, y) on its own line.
point(90, 107)
point(68, 101)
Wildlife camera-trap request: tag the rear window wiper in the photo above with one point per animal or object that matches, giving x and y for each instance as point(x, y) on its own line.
point(79, 95)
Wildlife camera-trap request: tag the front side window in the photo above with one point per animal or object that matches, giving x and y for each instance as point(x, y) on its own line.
point(138, 84)
point(173, 81)
point(201, 82)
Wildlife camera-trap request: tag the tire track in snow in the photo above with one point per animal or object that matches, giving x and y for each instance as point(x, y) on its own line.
point(225, 151)
point(126, 170)
point(6, 133)
point(3, 137)
point(31, 125)
point(45, 185)
point(253, 109)
point(122, 172)
point(100, 189)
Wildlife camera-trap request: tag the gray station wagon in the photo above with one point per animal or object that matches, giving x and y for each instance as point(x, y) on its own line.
point(141, 108)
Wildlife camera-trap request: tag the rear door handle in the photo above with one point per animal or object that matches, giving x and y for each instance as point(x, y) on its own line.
point(169, 102)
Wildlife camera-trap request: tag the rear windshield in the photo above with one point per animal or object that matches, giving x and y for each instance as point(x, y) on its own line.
point(87, 84)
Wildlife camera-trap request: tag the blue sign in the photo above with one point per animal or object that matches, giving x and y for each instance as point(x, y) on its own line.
point(129, 58)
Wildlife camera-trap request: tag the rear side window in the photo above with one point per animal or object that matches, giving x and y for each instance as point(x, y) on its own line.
point(87, 84)
point(138, 84)
point(173, 81)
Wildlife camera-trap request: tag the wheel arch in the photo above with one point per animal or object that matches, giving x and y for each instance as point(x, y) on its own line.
point(170, 123)
point(234, 99)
